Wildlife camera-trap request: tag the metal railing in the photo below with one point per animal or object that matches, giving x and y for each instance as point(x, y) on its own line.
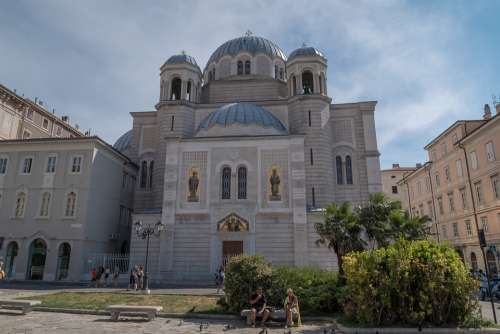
point(107, 260)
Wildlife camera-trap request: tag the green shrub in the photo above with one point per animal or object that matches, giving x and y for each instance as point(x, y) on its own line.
point(408, 283)
point(244, 274)
point(316, 289)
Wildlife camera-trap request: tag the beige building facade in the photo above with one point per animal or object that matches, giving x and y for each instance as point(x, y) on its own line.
point(390, 181)
point(459, 188)
point(62, 200)
point(22, 118)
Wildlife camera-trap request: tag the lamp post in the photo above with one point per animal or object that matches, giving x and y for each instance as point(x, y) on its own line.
point(144, 232)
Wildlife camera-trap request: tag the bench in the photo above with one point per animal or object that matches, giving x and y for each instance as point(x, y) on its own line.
point(17, 304)
point(131, 310)
point(277, 315)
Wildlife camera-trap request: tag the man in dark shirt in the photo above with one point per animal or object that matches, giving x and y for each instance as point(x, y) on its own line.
point(258, 302)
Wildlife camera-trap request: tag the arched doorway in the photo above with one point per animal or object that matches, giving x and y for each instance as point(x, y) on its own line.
point(36, 260)
point(63, 257)
point(492, 262)
point(473, 261)
point(308, 82)
point(10, 260)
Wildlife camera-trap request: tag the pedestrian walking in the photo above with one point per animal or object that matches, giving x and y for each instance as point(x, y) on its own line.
point(106, 276)
point(116, 275)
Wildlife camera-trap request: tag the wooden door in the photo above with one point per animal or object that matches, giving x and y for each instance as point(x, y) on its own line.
point(231, 248)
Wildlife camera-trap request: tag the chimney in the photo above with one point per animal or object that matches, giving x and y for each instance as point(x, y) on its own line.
point(395, 165)
point(418, 165)
point(487, 112)
point(497, 107)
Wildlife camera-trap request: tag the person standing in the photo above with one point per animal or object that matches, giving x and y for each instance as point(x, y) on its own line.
point(106, 276)
point(221, 276)
point(116, 275)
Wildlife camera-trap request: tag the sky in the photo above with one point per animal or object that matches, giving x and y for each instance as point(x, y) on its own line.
point(427, 63)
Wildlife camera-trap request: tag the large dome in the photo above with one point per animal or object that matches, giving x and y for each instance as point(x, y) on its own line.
point(250, 44)
point(123, 143)
point(241, 119)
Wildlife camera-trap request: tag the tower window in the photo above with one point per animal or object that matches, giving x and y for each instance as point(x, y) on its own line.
point(226, 183)
point(247, 67)
point(276, 71)
point(348, 169)
point(338, 165)
point(144, 174)
point(176, 89)
point(188, 91)
point(281, 73)
point(172, 123)
point(313, 193)
point(311, 156)
point(294, 85)
point(151, 168)
point(307, 82)
point(240, 67)
point(242, 183)
point(309, 117)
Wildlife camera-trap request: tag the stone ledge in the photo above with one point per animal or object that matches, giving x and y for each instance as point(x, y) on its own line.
point(406, 330)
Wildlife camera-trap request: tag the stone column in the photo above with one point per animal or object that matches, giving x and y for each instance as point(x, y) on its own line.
point(298, 201)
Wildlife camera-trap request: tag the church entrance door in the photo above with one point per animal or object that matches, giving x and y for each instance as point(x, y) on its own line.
point(231, 248)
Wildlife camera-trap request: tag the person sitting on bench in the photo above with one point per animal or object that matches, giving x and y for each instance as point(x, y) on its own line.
point(258, 303)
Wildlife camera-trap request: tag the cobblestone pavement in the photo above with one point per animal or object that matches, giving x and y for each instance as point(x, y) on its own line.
point(59, 323)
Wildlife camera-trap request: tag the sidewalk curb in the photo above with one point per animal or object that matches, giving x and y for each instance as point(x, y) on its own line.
point(406, 330)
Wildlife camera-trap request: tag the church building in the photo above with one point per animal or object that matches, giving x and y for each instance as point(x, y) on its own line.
point(242, 156)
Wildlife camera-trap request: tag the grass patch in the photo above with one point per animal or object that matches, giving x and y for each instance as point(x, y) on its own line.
point(99, 301)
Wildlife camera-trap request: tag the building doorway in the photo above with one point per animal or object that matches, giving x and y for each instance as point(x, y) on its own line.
point(12, 250)
point(36, 263)
point(230, 249)
point(492, 262)
point(63, 257)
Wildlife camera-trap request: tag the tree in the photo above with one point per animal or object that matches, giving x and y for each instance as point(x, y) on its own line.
point(409, 228)
point(375, 218)
point(340, 231)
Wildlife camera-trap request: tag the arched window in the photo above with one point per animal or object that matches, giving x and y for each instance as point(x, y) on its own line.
point(294, 85)
point(321, 84)
point(242, 183)
point(144, 174)
point(20, 204)
point(276, 71)
point(281, 73)
point(151, 167)
point(247, 67)
point(210, 76)
point(70, 205)
point(44, 207)
point(176, 89)
point(63, 261)
point(36, 260)
point(473, 261)
point(307, 82)
point(240, 67)
point(338, 165)
point(188, 91)
point(226, 183)
point(492, 263)
point(213, 73)
point(324, 84)
point(348, 169)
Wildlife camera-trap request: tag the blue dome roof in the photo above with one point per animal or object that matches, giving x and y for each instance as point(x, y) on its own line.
point(181, 59)
point(123, 143)
point(250, 44)
point(242, 113)
point(306, 51)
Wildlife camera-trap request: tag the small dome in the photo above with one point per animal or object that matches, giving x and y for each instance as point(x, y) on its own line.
point(306, 51)
point(181, 59)
point(250, 44)
point(123, 143)
point(259, 120)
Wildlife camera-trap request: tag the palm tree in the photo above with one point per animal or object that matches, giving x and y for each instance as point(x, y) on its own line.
point(409, 228)
point(340, 231)
point(374, 217)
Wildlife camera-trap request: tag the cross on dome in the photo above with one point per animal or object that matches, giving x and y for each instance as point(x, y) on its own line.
point(249, 33)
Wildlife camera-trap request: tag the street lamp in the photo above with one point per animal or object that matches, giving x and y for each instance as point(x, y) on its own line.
point(144, 232)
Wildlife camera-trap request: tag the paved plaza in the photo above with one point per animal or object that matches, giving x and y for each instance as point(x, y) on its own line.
point(58, 323)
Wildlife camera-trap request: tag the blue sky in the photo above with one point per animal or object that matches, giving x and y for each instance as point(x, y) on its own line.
point(427, 63)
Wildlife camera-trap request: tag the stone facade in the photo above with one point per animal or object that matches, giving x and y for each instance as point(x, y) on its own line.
point(459, 188)
point(21, 118)
point(250, 108)
point(62, 200)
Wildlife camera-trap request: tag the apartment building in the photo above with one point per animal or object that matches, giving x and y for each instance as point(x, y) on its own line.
point(459, 188)
point(390, 179)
